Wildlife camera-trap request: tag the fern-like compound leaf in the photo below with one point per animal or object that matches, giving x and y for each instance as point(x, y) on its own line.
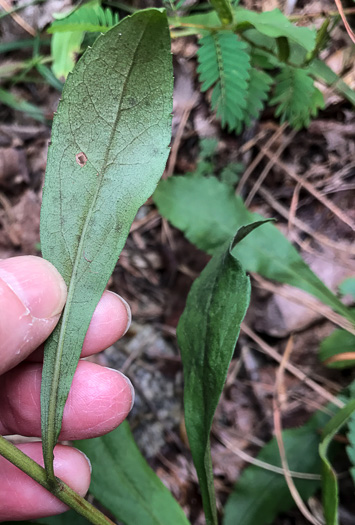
point(224, 63)
point(259, 87)
point(296, 97)
point(89, 17)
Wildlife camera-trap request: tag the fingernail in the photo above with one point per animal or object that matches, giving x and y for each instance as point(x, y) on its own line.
point(86, 457)
point(128, 310)
point(129, 383)
point(37, 284)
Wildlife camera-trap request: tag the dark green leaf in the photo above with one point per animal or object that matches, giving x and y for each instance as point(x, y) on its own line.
point(329, 478)
point(336, 349)
point(209, 213)
point(110, 144)
point(207, 333)
point(260, 494)
point(258, 90)
point(223, 10)
point(296, 97)
point(125, 484)
point(275, 24)
point(224, 63)
point(283, 48)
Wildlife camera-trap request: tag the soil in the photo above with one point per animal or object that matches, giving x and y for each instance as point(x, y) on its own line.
point(158, 265)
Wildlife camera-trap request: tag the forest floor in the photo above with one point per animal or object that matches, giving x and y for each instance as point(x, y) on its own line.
point(158, 265)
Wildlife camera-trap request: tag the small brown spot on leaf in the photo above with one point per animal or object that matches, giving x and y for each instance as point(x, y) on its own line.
point(81, 159)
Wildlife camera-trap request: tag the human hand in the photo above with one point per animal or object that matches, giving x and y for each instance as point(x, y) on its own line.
point(32, 296)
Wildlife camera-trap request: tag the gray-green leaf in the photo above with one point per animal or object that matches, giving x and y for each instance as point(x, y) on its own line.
point(207, 333)
point(125, 484)
point(110, 145)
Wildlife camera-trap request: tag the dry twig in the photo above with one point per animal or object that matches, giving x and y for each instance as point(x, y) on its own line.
point(268, 350)
point(268, 167)
point(278, 433)
point(320, 238)
point(259, 157)
point(224, 439)
point(298, 296)
point(310, 188)
point(17, 18)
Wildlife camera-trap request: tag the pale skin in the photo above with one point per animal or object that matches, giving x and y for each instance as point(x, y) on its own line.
point(32, 296)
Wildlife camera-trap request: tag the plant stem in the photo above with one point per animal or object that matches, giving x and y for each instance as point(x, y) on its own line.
point(59, 489)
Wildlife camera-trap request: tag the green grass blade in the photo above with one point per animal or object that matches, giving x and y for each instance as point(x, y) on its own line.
point(19, 104)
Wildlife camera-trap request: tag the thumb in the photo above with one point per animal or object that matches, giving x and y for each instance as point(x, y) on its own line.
point(32, 296)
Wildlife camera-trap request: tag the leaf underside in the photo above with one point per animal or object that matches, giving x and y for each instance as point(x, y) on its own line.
point(110, 145)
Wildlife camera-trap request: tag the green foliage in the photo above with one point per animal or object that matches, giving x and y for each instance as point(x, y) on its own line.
point(329, 478)
point(296, 97)
point(332, 347)
point(260, 495)
point(259, 87)
point(88, 17)
point(224, 10)
point(65, 47)
point(207, 338)
point(69, 33)
point(100, 160)
point(208, 212)
point(275, 24)
point(321, 71)
point(224, 64)
point(240, 91)
point(125, 484)
point(230, 173)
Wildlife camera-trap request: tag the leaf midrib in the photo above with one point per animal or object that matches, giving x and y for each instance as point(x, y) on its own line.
point(51, 423)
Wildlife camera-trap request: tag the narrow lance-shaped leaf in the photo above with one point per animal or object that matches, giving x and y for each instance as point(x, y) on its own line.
point(110, 144)
point(125, 484)
point(329, 478)
point(207, 333)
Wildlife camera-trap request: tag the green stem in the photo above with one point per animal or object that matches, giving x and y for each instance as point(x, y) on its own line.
point(58, 488)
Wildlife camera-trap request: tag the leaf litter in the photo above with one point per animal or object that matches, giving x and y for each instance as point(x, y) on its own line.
point(158, 254)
